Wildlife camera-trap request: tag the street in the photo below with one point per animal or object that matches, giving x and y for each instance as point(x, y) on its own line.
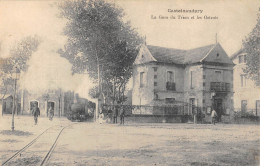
point(139, 144)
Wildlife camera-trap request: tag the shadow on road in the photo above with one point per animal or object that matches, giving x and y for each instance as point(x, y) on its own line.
point(16, 132)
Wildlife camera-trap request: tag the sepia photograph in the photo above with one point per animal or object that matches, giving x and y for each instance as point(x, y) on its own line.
point(129, 82)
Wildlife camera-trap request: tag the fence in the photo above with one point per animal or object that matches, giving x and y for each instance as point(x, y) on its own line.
point(177, 108)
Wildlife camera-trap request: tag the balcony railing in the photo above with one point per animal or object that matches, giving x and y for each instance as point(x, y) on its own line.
point(220, 86)
point(170, 86)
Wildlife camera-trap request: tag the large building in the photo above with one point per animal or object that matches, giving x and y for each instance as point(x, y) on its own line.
point(202, 77)
point(247, 94)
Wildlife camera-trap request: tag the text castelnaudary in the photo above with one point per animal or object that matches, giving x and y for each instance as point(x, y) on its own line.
point(185, 11)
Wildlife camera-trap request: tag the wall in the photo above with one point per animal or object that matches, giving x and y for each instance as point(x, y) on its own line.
point(197, 81)
point(249, 92)
point(146, 94)
point(210, 76)
point(142, 95)
point(53, 97)
point(161, 80)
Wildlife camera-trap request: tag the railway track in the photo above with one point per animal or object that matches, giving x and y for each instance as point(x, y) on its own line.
point(39, 150)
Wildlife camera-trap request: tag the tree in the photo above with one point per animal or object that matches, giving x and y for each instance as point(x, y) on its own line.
point(251, 46)
point(101, 43)
point(19, 55)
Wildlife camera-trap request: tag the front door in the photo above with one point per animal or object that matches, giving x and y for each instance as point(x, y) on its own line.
point(192, 106)
point(218, 107)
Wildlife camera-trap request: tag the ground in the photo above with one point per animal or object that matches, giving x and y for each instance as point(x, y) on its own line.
point(139, 144)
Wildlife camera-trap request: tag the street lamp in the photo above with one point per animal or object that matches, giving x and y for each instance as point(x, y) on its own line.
point(17, 74)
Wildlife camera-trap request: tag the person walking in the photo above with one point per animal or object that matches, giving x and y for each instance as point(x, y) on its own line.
point(213, 116)
point(122, 116)
point(36, 113)
point(51, 113)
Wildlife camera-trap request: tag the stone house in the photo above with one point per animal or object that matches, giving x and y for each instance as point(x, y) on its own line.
point(247, 94)
point(59, 100)
point(200, 77)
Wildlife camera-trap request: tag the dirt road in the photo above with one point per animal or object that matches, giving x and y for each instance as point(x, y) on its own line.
point(158, 144)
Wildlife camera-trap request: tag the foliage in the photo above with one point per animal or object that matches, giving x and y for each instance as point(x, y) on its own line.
point(251, 46)
point(19, 55)
point(100, 41)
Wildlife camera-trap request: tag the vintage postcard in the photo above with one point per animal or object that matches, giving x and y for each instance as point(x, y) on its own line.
point(130, 82)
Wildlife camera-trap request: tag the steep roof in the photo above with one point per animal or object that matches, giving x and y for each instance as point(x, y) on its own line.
point(197, 54)
point(240, 51)
point(170, 55)
point(167, 55)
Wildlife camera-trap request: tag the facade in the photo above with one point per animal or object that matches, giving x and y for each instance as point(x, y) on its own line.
point(247, 94)
point(60, 101)
point(201, 77)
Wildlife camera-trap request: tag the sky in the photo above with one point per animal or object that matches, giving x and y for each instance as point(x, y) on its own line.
point(18, 19)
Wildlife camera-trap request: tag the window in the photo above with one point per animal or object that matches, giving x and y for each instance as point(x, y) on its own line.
point(141, 79)
point(170, 76)
point(204, 84)
point(170, 84)
point(218, 75)
point(155, 77)
point(191, 80)
point(169, 100)
point(257, 105)
point(155, 69)
point(242, 58)
point(243, 80)
point(204, 76)
point(156, 96)
point(155, 83)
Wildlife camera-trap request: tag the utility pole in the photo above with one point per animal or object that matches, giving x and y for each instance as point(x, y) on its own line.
point(14, 95)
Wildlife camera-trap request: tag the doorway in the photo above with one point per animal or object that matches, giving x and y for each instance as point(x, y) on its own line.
point(192, 106)
point(218, 106)
point(33, 104)
point(50, 104)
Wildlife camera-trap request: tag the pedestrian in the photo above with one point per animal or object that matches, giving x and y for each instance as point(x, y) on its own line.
point(122, 116)
point(115, 114)
point(101, 116)
point(213, 116)
point(51, 113)
point(36, 113)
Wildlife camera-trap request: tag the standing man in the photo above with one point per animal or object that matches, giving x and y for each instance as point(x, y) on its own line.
point(115, 114)
point(213, 116)
point(36, 113)
point(122, 115)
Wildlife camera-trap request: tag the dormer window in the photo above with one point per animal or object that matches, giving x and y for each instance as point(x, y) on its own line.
point(217, 55)
point(242, 58)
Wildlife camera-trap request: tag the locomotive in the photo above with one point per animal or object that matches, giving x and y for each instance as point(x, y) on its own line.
point(80, 112)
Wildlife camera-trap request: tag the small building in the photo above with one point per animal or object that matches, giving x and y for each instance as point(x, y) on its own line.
point(201, 77)
point(247, 94)
point(59, 100)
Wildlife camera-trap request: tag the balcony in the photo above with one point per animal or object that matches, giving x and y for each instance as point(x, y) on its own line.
point(170, 86)
point(220, 87)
